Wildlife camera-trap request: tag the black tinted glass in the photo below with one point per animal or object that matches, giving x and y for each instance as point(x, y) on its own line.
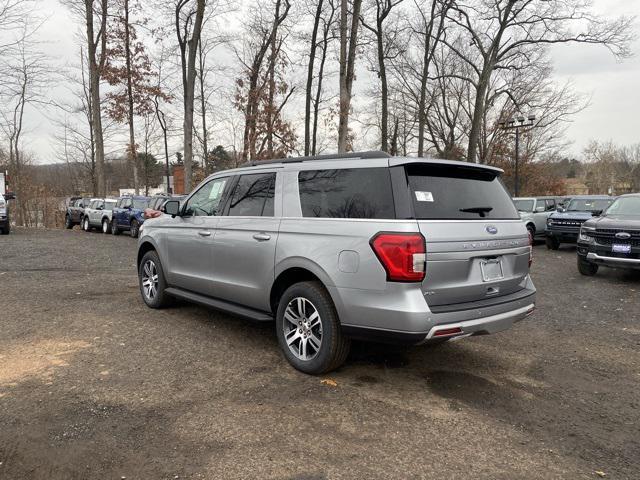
point(458, 193)
point(253, 196)
point(346, 193)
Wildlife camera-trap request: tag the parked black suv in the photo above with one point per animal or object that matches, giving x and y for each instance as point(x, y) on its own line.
point(75, 211)
point(612, 240)
point(563, 226)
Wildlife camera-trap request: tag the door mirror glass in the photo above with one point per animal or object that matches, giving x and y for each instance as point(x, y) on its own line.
point(172, 207)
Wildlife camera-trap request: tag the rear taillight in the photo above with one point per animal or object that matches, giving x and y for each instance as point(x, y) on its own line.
point(530, 249)
point(402, 255)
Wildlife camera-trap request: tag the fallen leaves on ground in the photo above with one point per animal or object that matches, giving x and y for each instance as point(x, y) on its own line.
point(329, 382)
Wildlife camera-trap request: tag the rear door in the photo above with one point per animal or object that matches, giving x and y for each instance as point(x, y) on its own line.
point(245, 242)
point(477, 247)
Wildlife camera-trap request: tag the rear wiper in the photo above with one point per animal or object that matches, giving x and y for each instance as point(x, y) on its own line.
point(482, 211)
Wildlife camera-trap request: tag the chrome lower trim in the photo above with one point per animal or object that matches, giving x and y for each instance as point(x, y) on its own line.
point(490, 324)
point(627, 261)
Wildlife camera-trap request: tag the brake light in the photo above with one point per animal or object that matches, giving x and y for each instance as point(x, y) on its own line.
point(403, 255)
point(530, 249)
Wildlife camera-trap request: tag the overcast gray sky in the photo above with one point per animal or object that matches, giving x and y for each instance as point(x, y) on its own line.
point(614, 87)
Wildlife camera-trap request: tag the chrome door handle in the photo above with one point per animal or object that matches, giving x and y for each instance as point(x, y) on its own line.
point(262, 237)
point(204, 233)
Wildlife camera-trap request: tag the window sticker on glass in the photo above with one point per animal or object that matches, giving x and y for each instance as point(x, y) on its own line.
point(424, 196)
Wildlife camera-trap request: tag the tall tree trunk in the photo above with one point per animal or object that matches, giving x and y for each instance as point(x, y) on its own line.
point(203, 105)
point(270, 110)
point(95, 65)
point(133, 156)
point(347, 61)
point(308, 91)
point(384, 120)
point(189, 89)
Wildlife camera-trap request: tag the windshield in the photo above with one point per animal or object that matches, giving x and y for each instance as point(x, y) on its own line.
point(140, 204)
point(588, 204)
point(626, 207)
point(443, 192)
point(524, 205)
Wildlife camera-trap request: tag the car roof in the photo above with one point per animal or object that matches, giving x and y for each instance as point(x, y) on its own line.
point(348, 160)
point(629, 195)
point(592, 197)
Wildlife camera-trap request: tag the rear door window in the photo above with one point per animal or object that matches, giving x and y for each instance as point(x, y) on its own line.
point(346, 193)
point(445, 192)
point(253, 196)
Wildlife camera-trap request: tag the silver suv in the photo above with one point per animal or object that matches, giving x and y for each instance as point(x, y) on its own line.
point(348, 246)
point(98, 214)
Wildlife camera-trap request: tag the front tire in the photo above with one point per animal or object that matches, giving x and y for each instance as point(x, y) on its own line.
point(587, 268)
point(6, 230)
point(135, 229)
point(552, 243)
point(152, 282)
point(105, 226)
point(308, 329)
point(68, 224)
point(86, 226)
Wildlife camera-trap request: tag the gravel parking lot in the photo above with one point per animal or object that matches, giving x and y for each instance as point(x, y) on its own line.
point(94, 385)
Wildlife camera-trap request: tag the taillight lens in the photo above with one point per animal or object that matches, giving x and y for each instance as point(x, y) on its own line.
point(402, 255)
point(530, 249)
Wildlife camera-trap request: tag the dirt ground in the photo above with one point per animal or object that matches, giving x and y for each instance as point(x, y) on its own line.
point(94, 385)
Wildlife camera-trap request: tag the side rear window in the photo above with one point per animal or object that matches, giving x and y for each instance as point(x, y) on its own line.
point(346, 193)
point(444, 192)
point(253, 196)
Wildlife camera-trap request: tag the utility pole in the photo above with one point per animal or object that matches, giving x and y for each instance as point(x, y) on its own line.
point(516, 124)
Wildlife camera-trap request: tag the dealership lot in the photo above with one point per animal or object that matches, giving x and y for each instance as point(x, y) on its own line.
point(95, 385)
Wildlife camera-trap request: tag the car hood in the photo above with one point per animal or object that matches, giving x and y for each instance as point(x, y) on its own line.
point(615, 222)
point(571, 215)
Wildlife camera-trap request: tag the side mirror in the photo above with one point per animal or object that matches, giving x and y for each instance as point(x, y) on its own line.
point(9, 196)
point(172, 207)
point(596, 213)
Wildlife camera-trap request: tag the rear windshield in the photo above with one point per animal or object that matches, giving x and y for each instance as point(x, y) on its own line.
point(524, 205)
point(346, 193)
point(444, 192)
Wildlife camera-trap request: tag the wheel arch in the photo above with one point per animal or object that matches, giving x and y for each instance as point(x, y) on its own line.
point(146, 246)
point(293, 271)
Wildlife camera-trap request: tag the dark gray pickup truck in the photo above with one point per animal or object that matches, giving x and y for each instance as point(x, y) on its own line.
point(613, 239)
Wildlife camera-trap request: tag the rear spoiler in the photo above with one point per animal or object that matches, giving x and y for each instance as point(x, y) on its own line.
point(396, 161)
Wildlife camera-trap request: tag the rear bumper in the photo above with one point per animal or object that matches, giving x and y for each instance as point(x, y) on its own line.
point(401, 314)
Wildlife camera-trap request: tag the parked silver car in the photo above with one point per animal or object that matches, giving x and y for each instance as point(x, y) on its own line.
point(534, 212)
point(346, 246)
point(98, 214)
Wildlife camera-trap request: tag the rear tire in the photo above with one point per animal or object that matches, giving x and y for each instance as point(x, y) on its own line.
point(68, 224)
point(532, 232)
point(114, 228)
point(6, 230)
point(152, 282)
point(310, 335)
point(135, 229)
point(552, 243)
point(587, 268)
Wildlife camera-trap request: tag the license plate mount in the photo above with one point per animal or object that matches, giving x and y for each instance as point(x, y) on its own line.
point(616, 248)
point(491, 269)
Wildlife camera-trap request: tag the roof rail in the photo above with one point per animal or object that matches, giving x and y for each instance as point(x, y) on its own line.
point(331, 156)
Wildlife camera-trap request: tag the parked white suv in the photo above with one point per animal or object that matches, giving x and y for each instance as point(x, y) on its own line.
point(347, 246)
point(5, 226)
point(98, 215)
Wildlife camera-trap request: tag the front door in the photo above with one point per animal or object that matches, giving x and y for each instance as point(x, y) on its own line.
point(245, 243)
point(190, 240)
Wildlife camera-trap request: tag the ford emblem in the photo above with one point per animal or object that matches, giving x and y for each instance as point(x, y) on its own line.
point(623, 236)
point(491, 229)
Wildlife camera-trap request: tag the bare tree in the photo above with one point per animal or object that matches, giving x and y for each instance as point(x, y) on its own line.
point(189, 15)
point(386, 47)
point(505, 32)
point(348, 45)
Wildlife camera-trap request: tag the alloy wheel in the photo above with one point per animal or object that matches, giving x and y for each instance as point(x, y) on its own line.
point(302, 328)
point(150, 279)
